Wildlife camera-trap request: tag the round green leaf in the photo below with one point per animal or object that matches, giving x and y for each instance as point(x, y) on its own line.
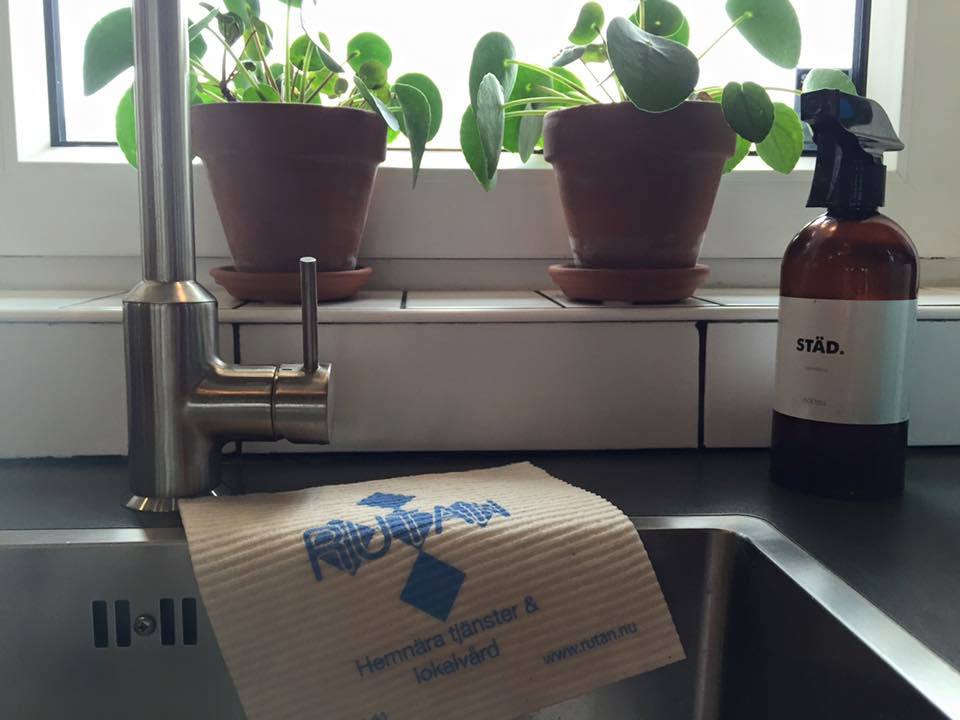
point(783, 146)
point(108, 50)
point(682, 35)
point(665, 19)
point(771, 26)
point(490, 119)
point(826, 79)
point(416, 122)
point(657, 74)
point(589, 24)
point(429, 89)
point(741, 151)
point(298, 53)
point(126, 127)
point(527, 85)
point(473, 150)
point(336, 88)
point(230, 26)
point(368, 46)
point(748, 110)
point(660, 17)
point(261, 93)
point(374, 75)
point(239, 8)
point(569, 54)
point(376, 103)
point(531, 130)
point(490, 57)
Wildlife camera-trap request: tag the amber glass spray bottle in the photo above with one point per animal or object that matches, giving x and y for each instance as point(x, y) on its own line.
point(848, 291)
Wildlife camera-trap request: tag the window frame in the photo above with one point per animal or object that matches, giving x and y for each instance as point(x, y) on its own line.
point(82, 201)
point(58, 129)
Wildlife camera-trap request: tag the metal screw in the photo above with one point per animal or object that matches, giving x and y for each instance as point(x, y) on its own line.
point(144, 625)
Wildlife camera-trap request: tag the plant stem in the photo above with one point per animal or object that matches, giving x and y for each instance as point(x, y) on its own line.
point(613, 73)
point(306, 70)
point(597, 80)
point(351, 99)
point(785, 90)
point(252, 80)
point(195, 64)
point(555, 100)
point(528, 113)
point(322, 85)
point(287, 90)
point(556, 77)
point(642, 14)
point(266, 66)
point(554, 93)
point(746, 16)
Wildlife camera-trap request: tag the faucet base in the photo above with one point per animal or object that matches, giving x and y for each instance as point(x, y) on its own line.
point(138, 503)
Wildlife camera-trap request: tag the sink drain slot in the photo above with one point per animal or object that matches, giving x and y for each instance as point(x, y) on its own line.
point(145, 623)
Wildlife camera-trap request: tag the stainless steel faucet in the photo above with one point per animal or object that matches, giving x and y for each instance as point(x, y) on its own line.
point(183, 401)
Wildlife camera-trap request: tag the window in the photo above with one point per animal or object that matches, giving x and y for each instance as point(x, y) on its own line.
point(437, 37)
point(66, 202)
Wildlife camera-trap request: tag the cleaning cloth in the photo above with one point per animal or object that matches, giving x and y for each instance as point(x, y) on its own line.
point(473, 595)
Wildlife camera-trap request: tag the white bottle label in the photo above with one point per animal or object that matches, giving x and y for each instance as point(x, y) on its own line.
point(844, 361)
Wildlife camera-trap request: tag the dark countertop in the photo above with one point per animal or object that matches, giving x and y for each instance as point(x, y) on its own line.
point(903, 555)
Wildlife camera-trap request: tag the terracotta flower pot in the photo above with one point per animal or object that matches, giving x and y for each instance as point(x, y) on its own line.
point(290, 180)
point(637, 188)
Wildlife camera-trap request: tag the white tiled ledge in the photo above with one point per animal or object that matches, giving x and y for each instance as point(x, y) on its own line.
point(743, 305)
point(437, 371)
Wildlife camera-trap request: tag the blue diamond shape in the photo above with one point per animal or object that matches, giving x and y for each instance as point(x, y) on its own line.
point(386, 500)
point(433, 586)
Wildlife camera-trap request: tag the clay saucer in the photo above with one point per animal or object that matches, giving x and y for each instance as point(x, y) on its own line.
point(635, 285)
point(285, 287)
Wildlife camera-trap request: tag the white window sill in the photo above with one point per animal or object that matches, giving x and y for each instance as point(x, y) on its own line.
point(397, 158)
point(419, 307)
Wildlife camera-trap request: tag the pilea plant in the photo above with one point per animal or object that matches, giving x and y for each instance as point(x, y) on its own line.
point(642, 58)
point(410, 104)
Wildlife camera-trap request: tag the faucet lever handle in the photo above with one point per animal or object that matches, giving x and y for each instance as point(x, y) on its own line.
point(308, 307)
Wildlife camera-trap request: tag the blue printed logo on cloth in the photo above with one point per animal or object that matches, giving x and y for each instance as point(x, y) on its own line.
point(433, 585)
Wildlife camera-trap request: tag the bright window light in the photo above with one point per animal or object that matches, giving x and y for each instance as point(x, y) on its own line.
point(436, 37)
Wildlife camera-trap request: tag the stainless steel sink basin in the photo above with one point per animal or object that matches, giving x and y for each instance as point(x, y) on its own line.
point(768, 631)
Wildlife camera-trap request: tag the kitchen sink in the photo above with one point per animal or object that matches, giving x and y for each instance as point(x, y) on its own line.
point(108, 624)
point(769, 633)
